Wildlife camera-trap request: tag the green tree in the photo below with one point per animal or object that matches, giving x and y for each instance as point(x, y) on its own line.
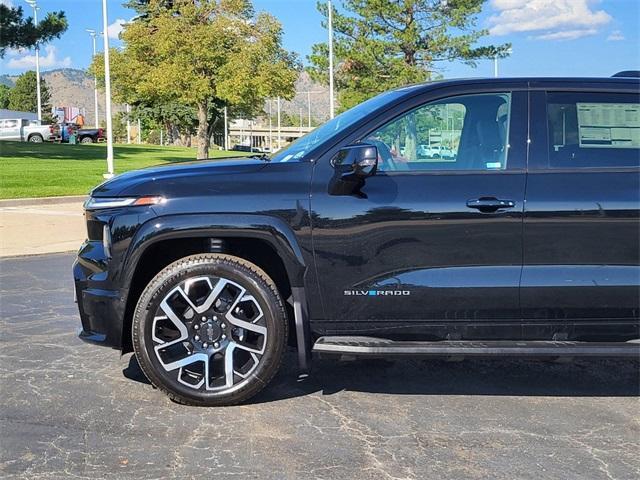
point(179, 121)
point(4, 96)
point(23, 96)
point(383, 44)
point(204, 55)
point(19, 32)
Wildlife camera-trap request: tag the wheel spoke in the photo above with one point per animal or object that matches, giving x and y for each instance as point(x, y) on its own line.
point(154, 328)
point(255, 360)
point(166, 308)
point(228, 365)
point(213, 296)
point(171, 315)
point(251, 326)
point(187, 360)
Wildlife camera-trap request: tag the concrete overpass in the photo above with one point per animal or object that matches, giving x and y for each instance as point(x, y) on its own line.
point(265, 137)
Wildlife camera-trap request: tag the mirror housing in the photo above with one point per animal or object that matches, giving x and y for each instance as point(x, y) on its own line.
point(352, 165)
point(359, 160)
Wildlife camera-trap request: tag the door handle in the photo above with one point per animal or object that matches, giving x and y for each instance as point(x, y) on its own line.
point(490, 204)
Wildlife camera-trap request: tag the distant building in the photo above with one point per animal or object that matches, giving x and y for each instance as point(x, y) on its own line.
point(4, 113)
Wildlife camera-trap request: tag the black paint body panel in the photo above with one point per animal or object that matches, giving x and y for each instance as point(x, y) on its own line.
point(563, 263)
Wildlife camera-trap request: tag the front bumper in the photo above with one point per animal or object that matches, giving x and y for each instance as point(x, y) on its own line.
point(101, 306)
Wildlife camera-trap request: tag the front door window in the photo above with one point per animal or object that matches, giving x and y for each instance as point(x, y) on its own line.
point(468, 132)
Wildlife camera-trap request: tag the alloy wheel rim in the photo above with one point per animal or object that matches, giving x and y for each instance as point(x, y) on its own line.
point(209, 334)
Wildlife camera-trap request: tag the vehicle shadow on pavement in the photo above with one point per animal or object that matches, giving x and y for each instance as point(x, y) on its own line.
point(473, 376)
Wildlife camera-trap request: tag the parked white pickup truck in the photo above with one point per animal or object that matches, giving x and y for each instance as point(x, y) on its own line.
point(22, 130)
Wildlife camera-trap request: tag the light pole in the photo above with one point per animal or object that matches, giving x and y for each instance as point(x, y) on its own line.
point(35, 7)
point(107, 84)
point(331, 94)
point(279, 127)
point(270, 128)
point(309, 109)
point(309, 92)
point(95, 78)
point(128, 123)
point(495, 62)
point(226, 129)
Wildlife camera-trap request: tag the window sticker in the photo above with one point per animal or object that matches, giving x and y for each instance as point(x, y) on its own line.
point(609, 125)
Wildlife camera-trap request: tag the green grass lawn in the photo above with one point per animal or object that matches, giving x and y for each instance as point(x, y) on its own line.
point(48, 169)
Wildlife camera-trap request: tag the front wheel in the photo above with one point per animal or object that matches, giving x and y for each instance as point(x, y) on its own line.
point(209, 330)
point(86, 140)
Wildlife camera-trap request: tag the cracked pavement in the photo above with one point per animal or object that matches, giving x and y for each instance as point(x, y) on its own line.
point(73, 410)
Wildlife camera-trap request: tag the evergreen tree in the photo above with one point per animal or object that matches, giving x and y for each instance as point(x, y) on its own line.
point(23, 96)
point(19, 32)
point(4, 96)
point(384, 44)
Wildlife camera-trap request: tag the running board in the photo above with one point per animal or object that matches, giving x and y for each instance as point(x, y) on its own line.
point(371, 346)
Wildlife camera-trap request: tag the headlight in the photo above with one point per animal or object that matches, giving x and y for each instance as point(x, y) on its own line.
point(95, 203)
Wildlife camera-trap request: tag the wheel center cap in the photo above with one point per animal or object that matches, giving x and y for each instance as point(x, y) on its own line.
point(211, 331)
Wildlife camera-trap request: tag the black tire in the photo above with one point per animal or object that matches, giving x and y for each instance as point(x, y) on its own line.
point(36, 138)
point(168, 292)
point(86, 140)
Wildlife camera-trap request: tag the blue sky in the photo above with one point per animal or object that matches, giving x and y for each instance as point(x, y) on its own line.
point(549, 37)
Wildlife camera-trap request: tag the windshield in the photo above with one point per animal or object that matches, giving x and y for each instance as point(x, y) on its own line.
point(298, 149)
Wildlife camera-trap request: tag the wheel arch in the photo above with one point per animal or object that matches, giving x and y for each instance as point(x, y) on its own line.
point(266, 241)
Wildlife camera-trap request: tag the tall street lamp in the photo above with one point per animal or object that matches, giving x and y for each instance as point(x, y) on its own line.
point(107, 82)
point(35, 7)
point(495, 62)
point(95, 78)
point(331, 94)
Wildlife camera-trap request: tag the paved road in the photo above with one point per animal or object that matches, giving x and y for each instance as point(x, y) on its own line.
point(70, 410)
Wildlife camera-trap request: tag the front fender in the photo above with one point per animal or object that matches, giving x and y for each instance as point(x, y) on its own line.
point(273, 230)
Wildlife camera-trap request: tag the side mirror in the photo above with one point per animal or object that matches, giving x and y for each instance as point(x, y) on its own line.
point(353, 164)
point(357, 160)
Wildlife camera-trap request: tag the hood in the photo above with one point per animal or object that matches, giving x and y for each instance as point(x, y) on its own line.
point(157, 175)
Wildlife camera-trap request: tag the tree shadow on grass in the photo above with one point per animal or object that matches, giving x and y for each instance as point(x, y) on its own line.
point(55, 151)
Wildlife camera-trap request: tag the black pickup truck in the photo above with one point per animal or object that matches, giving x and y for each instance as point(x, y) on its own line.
point(83, 135)
point(523, 241)
point(91, 135)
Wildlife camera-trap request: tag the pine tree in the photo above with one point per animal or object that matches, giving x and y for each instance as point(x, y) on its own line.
point(23, 96)
point(383, 44)
point(19, 32)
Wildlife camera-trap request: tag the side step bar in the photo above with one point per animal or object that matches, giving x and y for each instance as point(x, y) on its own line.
point(371, 346)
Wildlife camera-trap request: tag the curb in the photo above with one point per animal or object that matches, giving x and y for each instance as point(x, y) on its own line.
point(24, 202)
point(31, 255)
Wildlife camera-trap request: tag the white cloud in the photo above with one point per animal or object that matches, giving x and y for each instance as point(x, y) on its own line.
point(115, 29)
point(48, 60)
point(552, 19)
point(567, 34)
point(8, 3)
point(14, 52)
point(615, 36)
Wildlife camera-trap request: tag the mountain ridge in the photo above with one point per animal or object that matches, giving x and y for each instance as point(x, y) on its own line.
point(71, 87)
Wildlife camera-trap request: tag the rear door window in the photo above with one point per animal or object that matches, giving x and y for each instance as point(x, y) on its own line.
point(593, 130)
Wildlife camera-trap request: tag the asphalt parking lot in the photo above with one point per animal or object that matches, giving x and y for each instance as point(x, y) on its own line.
point(71, 410)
